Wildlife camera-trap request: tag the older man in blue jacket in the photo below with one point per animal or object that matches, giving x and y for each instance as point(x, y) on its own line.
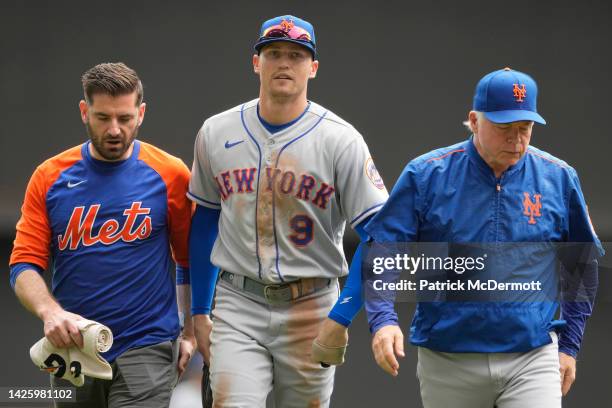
point(492, 188)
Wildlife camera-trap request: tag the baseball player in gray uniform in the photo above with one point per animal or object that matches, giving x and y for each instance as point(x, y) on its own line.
point(275, 180)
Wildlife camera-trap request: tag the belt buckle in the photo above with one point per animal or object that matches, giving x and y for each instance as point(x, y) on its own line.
point(277, 293)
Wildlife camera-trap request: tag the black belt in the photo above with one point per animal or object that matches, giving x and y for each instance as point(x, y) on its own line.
point(278, 293)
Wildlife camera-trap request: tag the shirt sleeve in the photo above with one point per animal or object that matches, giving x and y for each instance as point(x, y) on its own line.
point(18, 268)
point(398, 219)
point(202, 188)
point(33, 236)
point(584, 271)
point(179, 221)
point(396, 222)
point(361, 189)
point(580, 227)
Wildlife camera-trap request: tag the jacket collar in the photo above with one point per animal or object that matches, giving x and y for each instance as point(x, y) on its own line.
point(484, 167)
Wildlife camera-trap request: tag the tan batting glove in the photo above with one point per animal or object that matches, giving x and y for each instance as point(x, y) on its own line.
point(330, 345)
point(327, 355)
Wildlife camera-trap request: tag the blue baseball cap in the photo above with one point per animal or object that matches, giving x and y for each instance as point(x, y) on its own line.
point(506, 96)
point(287, 28)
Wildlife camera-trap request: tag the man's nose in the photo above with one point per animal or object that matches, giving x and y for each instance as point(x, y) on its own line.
point(114, 129)
point(515, 134)
point(284, 60)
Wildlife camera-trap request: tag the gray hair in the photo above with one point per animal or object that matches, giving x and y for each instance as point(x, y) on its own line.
point(468, 124)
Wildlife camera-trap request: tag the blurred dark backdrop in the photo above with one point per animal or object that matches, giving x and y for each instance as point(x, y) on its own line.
point(402, 72)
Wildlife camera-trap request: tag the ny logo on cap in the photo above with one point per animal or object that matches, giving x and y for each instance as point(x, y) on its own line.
point(287, 25)
point(519, 93)
point(530, 208)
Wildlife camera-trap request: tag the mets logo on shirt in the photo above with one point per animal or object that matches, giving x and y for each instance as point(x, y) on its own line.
point(532, 208)
point(373, 175)
point(136, 225)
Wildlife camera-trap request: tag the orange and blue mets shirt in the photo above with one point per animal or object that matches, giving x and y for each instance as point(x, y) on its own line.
point(109, 230)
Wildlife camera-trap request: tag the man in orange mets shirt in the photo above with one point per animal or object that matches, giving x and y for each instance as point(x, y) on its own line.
point(111, 212)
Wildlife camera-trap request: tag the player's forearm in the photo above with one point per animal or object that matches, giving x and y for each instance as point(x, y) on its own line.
point(350, 301)
point(379, 305)
point(204, 229)
point(578, 308)
point(575, 314)
point(32, 292)
point(184, 305)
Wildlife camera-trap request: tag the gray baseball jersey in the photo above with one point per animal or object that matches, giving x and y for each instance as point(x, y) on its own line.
point(285, 197)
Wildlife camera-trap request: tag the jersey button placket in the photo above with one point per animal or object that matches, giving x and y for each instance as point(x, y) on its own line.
point(268, 151)
point(264, 206)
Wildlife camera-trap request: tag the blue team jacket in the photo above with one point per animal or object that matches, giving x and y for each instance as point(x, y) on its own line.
point(452, 195)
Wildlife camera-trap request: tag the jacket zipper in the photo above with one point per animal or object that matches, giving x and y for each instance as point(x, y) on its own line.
point(498, 189)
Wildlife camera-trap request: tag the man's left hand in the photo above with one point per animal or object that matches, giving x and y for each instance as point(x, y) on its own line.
point(186, 348)
point(330, 345)
point(567, 368)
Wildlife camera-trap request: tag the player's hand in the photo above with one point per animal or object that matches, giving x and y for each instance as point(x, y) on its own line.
point(187, 346)
point(387, 345)
point(330, 345)
point(202, 325)
point(567, 368)
point(61, 330)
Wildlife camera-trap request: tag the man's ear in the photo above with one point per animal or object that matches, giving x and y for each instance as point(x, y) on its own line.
point(256, 63)
point(473, 119)
point(313, 69)
point(83, 108)
point(141, 112)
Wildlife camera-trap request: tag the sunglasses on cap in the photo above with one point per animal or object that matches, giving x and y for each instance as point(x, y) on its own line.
point(286, 30)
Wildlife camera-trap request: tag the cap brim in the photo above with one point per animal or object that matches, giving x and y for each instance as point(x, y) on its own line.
point(259, 44)
point(508, 116)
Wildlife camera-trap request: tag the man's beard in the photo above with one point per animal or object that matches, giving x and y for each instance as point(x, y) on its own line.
point(114, 152)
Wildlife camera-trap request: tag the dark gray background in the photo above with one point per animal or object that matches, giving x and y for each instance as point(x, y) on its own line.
point(402, 72)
